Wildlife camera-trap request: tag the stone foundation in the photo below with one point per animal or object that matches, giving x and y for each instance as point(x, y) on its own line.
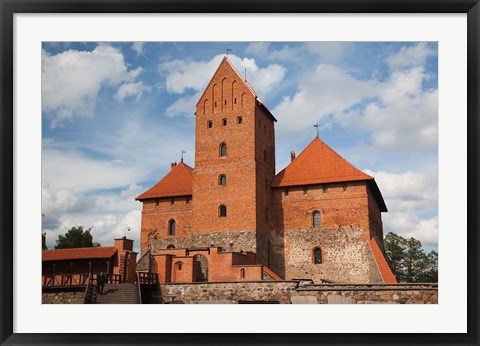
point(289, 292)
point(63, 297)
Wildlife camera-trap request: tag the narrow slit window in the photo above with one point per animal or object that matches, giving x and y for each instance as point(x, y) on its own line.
point(171, 227)
point(316, 219)
point(317, 256)
point(222, 211)
point(223, 149)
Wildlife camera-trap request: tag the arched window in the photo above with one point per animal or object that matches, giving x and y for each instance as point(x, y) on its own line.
point(242, 273)
point(178, 265)
point(316, 219)
point(171, 227)
point(222, 180)
point(239, 120)
point(317, 256)
point(224, 122)
point(223, 149)
point(171, 246)
point(222, 211)
point(209, 124)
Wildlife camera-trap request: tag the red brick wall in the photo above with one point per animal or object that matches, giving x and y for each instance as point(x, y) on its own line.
point(156, 215)
point(238, 165)
point(338, 207)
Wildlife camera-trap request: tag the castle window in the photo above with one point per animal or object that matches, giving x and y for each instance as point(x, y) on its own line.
point(235, 100)
point(239, 120)
point(178, 265)
point(215, 103)
point(171, 227)
point(242, 273)
point(172, 201)
point(188, 200)
point(223, 149)
point(325, 189)
point(225, 102)
point(209, 124)
point(171, 246)
point(317, 256)
point(316, 219)
point(305, 190)
point(344, 187)
point(157, 202)
point(222, 180)
point(224, 122)
point(286, 192)
point(222, 211)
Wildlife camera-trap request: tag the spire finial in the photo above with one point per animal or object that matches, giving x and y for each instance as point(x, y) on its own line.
point(316, 125)
point(183, 152)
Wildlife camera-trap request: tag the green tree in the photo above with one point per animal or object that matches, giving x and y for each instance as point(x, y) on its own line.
point(408, 260)
point(75, 237)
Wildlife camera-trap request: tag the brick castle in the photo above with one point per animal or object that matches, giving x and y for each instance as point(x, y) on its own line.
point(231, 218)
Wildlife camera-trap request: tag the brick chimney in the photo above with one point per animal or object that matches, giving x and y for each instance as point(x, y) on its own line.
point(292, 156)
point(124, 244)
point(172, 165)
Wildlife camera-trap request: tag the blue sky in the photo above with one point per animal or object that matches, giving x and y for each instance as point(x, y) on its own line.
point(114, 115)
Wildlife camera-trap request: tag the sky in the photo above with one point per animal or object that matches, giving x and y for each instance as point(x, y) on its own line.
point(115, 114)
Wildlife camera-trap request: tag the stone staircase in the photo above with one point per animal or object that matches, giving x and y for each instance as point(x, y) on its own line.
point(118, 294)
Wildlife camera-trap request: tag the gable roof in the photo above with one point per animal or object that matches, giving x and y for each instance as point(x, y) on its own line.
point(78, 253)
point(320, 164)
point(178, 182)
point(226, 61)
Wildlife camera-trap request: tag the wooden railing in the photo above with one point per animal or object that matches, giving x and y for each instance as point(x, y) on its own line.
point(65, 280)
point(147, 279)
point(89, 291)
point(81, 279)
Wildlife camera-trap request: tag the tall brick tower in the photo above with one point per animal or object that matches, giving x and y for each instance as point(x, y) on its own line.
point(234, 162)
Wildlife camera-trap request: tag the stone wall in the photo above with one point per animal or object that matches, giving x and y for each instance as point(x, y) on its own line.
point(346, 257)
point(229, 241)
point(288, 292)
point(63, 297)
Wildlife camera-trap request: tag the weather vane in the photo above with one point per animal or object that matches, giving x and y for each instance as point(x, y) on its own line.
point(316, 125)
point(183, 152)
point(228, 50)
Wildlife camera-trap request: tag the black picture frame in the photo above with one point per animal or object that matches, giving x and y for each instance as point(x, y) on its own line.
point(9, 7)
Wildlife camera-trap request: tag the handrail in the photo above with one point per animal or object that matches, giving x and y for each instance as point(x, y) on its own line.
point(89, 290)
point(79, 279)
point(139, 289)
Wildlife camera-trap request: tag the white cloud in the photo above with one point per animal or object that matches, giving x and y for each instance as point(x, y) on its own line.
point(400, 114)
point(410, 225)
point(324, 91)
point(72, 79)
point(182, 75)
point(411, 56)
point(74, 171)
point(328, 52)
point(407, 195)
point(138, 47)
point(111, 215)
point(409, 191)
point(183, 106)
point(130, 90)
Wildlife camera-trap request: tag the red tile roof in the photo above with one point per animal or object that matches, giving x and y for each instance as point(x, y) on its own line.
point(78, 253)
point(317, 164)
point(387, 274)
point(178, 182)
